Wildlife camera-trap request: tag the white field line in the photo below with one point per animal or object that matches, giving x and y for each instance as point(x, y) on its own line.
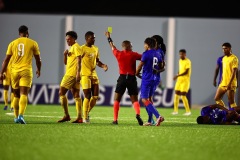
point(177, 120)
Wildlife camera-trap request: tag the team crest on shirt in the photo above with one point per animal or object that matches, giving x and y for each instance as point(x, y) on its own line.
point(91, 55)
point(69, 54)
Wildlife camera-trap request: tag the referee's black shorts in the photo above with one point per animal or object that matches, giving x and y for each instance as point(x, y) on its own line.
point(128, 82)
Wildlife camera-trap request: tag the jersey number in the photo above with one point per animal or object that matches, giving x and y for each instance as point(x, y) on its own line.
point(155, 62)
point(20, 49)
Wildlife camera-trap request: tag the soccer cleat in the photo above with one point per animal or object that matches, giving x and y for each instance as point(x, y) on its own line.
point(21, 120)
point(187, 114)
point(147, 124)
point(78, 121)
point(153, 122)
point(140, 121)
point(5, 108)
point(159, 120)
point(115, 122)
point(86, 121)
point(65, 119)
point(174, 113)
point(16, 120)
point(11, 109)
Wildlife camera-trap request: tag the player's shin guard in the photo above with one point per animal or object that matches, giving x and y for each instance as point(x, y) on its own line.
point(116, 107)
point(150, 118)
point(85, 108)
point(176, 102)
point(78, 102)
point(22, 104)
point(136, 106)
point(16, 107)
point(12, 96)
point(5, 97)
point(185, 103)
point(152, 109)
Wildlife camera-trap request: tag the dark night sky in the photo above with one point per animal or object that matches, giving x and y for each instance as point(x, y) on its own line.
point(160, 8)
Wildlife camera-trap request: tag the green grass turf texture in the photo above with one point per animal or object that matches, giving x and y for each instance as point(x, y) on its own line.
point(178, 137)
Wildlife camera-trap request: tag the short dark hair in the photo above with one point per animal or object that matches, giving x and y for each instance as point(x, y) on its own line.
point(160, 42)
point(23, 29)
point(151, 42)
point(226, 44)
point(200, 120)
point(127, 45)
point(88, 33)
point(183, 50)
point(72, 34)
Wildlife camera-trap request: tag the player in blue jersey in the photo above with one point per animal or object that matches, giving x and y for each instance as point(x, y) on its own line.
point(150, 64)
point(161, 50)
point(217, 114)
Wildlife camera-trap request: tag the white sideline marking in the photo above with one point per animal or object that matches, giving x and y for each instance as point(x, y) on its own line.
point(176, 120)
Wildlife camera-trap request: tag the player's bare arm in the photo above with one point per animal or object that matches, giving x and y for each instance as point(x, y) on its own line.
point(4, 66)
point(102, 65)
point(39, 65)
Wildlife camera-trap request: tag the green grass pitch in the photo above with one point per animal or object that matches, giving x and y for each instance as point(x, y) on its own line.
point(177, 138)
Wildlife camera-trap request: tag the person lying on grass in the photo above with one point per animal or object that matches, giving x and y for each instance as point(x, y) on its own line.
point(219, 115)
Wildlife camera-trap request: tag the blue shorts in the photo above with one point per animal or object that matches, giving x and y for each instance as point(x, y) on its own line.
point(147, 89)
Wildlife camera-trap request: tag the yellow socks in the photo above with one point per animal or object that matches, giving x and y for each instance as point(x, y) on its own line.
point(220, 102)
point(12, 96)
point(5, 97)
point(22, 104)
point(233, 105)
point(16, 106)
point(78, 102)
point(64, 104)
point(85, 108)
point(176, 102)
point(185, 103)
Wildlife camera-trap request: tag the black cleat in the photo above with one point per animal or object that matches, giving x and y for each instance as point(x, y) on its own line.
point(140, 121)
point(115, 122)
point(65, 119)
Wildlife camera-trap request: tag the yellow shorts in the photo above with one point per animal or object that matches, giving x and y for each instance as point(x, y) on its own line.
point(182, 86)
point(69, 82)
point(21, 78)
point(7, 80)
point(233, 88)
point(88, 81)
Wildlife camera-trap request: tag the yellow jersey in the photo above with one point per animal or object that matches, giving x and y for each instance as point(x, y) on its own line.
point(229, 63)
point(184, 64)
point(22, 50)
point(9, 67)
point(89, 60)
point(73, 53)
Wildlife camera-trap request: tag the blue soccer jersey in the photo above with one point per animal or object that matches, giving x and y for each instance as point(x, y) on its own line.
point(219, 63)
point(217, 116)
point(157, 75)
point(151, 59)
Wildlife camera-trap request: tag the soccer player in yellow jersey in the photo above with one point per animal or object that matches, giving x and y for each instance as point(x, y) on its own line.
point(229, 77)
point(6, 86)
point(71, 79)
point(89, 77)
point(21, 51)
point(183, 82)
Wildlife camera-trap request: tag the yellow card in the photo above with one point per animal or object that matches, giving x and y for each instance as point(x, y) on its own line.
point(110, 29)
